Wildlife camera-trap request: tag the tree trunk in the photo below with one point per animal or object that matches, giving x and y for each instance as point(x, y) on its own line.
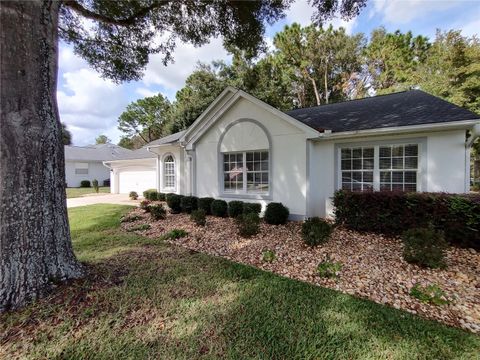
point(35, 244)
point(326, 83)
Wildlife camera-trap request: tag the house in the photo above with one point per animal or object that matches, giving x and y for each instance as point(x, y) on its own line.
point(86, 162)
point(242, 148)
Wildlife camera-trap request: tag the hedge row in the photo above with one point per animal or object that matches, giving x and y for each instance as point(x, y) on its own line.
point(392, 213)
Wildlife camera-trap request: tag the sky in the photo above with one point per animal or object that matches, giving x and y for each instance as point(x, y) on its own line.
point(90, 105)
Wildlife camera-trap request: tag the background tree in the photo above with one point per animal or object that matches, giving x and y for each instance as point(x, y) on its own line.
point(66, 135)
point(102, 139)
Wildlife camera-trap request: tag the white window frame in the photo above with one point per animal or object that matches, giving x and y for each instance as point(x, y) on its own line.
point(245, 192)
point(164, 177)
point(81, 166)
point(421, 155)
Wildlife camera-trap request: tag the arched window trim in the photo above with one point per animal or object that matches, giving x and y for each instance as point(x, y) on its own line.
point(169, 176)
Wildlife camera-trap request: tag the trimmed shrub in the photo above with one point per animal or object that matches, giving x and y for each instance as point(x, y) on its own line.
point(174, 203)
point(151, 194)
point(431, 294)
point(133, 195)
point(175, 234)
point(248, 224)
point(268, 256)
point(85, 183)
point(392, 213)
point(219, 208)
point(188, 204)
point(425, 247)
point(144, 204)
point(235, 208)
point(160, 196)
point(316, 231)
point(205, 204)
point(95, 185)
point(255, 208)
point(276, 214)
point(157, 211)
point(198, 217)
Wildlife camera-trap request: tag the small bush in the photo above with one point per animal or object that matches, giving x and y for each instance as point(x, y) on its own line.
point(248, 224)
point(425, 247)
point(130, 218)
point(175, 234)
point(140, 227)
point(188, 204)
point(316, 231)
point(157, 211)
point(235, 208)
point(219, 208)
point(198, 217)
point(255, 208)
point(276, 214)
point(269, 256)
point(151, 194)
point(144, 204)
point(431, 294)
point(205, 204)
point(329, 269)
point(133, 195)
point(174, 203)
point(85, 183)
point(95, 185)
point(160, 196)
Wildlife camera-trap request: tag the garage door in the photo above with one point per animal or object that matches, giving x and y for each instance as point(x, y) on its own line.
point(139, 181)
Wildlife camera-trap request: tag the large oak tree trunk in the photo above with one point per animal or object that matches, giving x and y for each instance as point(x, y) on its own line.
point(35, 245)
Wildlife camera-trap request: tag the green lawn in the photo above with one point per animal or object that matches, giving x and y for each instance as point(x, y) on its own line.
point(146, 299)
point(79, 192)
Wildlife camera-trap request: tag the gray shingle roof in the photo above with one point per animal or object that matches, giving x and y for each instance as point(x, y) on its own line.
point(169, 139)
point(100, 152)
point(413, 107)
point(141, 153)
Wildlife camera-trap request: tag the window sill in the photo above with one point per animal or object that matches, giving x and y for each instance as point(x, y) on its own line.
point(246, 196)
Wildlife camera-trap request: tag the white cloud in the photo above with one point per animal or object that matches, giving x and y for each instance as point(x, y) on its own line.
point(144, 92)
point(470, 28)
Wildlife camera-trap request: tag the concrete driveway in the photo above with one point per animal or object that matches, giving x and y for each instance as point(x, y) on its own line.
point(121, 199)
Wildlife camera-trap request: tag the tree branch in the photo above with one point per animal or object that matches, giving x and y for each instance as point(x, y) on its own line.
point(130, 20)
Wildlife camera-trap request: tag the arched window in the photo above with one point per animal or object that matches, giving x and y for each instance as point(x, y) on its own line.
point(169, 172)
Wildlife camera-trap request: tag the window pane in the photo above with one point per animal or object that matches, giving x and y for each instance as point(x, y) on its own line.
point(397, 150)
point(397, 177)
point(368, 176)
point(346, 186)
point(264, 166)
point(356, 186)
point(346, 154)
point(397, 163)
point(346, 176)
point(368, 152)
point(264, 156)
point(357, 176)
point(368, 163)
point(410, 187)
point(385, 187)
point(385, 163)
point(385, 151)
point(410, 163)
point(357, 164)
point(385, 176)
point(411, 150)
point(249, 156)
point(346, 164)
point(357, 153)
point(410, 177)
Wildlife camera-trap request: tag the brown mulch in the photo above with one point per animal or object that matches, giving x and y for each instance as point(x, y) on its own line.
point(373, 267)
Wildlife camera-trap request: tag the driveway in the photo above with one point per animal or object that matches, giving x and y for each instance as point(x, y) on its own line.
point(121, 199)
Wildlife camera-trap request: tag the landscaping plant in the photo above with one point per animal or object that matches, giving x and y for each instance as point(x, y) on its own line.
point(235, 208)
point(205, 204)
point(85, 183)
point(329, 269)
point(431, 294)
point(188, 204)
point(248, 224)
point(157, 211)
point(151, 194)
point(255, 208)
point(174, 202)
point(269, 256)
point(144, 205)
point(133, 195)
point(316, 231)
point(219, 208)
point(276, 214)
point(175, 234)
point(140, 227)
point(425, 247)
point(95, 185)
point(198, 217)
point(130, 218)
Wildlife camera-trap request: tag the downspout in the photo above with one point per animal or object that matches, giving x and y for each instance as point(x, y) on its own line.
point(474, 134)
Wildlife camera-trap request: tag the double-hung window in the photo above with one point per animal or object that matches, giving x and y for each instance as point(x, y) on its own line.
point(246, 172)
point(169, 172)
point(81, 168)
point(380, 167)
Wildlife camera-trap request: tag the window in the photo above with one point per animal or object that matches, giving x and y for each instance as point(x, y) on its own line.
point(250, 165)
point(81, 168)
point(383, 167)
point(169, 172)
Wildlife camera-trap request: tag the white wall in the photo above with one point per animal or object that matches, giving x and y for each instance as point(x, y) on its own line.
point(96, 170)
point(180, 172)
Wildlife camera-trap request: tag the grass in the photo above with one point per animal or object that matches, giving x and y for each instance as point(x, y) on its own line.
point(146, 299)
point(79, 192)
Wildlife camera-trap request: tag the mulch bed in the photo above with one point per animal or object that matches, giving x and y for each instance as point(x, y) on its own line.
point(373, 267)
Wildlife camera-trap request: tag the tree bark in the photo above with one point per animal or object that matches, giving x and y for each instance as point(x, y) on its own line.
point(326, 83)
point(35, 244)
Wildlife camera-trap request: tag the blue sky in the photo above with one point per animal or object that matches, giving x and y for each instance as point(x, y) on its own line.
point(90, 105)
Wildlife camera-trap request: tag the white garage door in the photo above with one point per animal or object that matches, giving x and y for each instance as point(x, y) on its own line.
point(136, 180)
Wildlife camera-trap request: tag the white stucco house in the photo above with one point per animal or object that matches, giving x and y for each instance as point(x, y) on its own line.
point(242, 148)
point(86, 162)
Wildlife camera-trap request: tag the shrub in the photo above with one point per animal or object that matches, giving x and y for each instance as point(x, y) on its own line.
point(255, 208)
point(175, 234)
point(276, 214)
point(130, 218)
point(157, 211)
point(133, 195)
point(174, 203)
point(140, 227)
point(160, 196)
point(205, 204)
point(235, 208)
point(151, 194)
point(392, 213)
point(425, 247)
point(144, 204)
point(248, 224)
point(188, 204)
point(198, 217)
point(329, 269)
point(431, 294)
point(269, 256)
point(95, 185)
point(85, 183)
point(219, 208)
point(316, 231)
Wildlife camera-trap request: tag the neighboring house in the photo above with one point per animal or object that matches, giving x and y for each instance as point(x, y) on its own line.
point(86, 162)
point(242, 148)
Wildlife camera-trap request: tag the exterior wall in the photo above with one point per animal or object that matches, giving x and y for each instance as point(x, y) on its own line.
point(180, 171)
point(441, 165)
point(96, 170)
point(288, 158)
